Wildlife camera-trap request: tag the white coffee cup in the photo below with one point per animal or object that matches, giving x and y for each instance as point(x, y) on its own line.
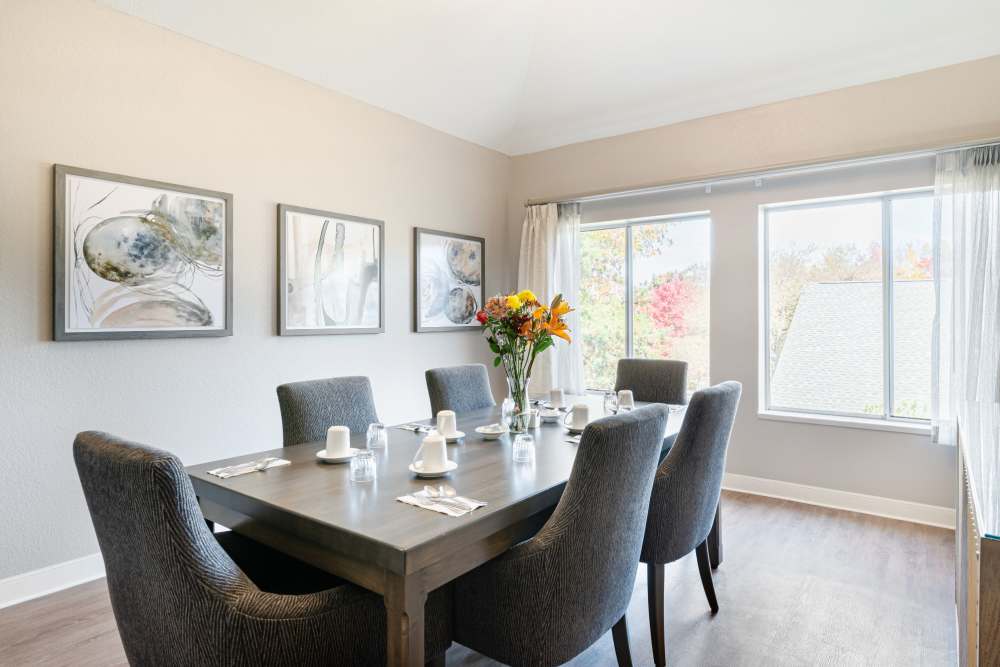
point(625, 399)
point(556, 398)
point(578, 416)
point(446, 423)
point(338, 441)
point(435, 452)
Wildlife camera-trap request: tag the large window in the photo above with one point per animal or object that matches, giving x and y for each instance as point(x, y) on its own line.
point(850, 306)
point(644, 293)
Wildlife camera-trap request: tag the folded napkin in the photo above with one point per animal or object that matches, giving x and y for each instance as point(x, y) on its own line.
point(256, 465)
point(574, 439)
point(452, 506)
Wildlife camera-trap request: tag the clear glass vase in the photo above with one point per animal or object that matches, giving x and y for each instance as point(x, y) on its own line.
point(517, 391)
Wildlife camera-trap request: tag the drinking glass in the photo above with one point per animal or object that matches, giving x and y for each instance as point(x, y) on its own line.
point(363, 466)
point(524, 448)
point(610, 402)
point(378, 437)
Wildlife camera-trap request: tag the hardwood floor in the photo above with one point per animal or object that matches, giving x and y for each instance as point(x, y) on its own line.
point(800, 585)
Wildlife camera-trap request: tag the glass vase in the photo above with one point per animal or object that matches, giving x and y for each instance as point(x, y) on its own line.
point(517, 391)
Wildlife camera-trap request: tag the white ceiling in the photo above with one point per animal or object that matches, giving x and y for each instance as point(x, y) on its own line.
point(524, 75)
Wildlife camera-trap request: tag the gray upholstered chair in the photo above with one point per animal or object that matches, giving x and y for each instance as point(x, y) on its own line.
point(653, 380)
point(459, 388)
point(309, 408)
point(685, 496)
point(549, 598)
point(180, 599)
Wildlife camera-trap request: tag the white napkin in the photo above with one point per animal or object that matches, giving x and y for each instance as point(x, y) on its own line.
point(574, 439)
point(248, 467)
point(453, 506)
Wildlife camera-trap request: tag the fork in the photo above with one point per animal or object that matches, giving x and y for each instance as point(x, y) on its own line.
point(448, 496)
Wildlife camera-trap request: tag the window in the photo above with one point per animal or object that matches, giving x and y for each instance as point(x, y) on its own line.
point(848, 323)
point(644, 293)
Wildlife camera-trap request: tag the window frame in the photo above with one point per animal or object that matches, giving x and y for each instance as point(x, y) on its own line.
point(885, 421)
point(628, 224)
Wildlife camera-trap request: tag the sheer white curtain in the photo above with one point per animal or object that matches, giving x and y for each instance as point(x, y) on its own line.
point(967, 282)
point(549, 265)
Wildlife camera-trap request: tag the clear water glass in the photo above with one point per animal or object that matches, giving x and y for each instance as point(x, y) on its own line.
point(524, 448)
point(378, 436)
point(610, 402)
point(363, 466)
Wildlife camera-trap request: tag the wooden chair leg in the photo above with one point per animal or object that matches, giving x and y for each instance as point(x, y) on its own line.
point(655, 585)
point(705, 569)
point(620, 634)
point(715, 538)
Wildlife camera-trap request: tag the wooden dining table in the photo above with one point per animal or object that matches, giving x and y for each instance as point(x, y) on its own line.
point(358, 531)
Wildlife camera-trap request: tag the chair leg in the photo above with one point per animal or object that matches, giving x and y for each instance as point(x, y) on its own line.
point(715, 538)
point(705, 569)
point(655, 584)
point(620, 634)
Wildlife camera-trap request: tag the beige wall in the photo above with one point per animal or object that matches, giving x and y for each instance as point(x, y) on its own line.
point(936, 108)
point(86, 86)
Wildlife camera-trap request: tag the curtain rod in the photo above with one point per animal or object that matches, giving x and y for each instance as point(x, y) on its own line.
point(728, 178)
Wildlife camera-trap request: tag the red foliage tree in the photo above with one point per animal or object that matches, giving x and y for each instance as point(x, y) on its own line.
point(668, 303)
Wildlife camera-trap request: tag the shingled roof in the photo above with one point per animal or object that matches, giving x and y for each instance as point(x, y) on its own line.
point(832, 356)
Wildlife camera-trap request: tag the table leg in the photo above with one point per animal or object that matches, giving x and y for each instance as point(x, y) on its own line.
point(715, 538)
point(404, 609)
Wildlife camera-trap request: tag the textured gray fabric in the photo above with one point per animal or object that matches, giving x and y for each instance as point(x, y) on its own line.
point(179, 599)
point(689, 480)
point(459, 388)
point(653, 380)
point(309, 408)
point(549, 598)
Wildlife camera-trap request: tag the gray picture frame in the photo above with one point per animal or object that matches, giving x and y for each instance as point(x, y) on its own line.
point(283, 328)
point(417, 324)
point(61, 172)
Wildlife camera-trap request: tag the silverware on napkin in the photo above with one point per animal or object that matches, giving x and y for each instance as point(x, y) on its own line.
point(416, 428)
point(439, 500)
point(250, 466)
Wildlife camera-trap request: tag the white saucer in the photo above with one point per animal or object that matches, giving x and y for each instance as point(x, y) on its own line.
point(562, 408)
point(574, 431)
point(454, 437)
point(416, 469)
point(321, 455)
point(489, 434)
point(549, 415)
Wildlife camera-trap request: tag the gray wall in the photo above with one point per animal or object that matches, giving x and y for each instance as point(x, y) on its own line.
point(90, 87)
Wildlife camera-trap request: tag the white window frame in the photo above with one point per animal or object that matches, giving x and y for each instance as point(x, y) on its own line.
point(885, 421)
point(628, 225)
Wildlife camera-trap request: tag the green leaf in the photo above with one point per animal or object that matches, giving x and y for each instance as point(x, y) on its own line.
point(496, 362)
point(543, 344)
point(493, 345)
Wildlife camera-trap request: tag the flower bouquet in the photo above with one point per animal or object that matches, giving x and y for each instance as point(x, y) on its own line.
point(518, 328)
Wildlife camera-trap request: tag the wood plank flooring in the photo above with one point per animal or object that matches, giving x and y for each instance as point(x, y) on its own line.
point(800, 585)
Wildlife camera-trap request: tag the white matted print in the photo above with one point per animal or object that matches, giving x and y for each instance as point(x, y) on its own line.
point(140, 259)
point(449, 270)
point(330, 274)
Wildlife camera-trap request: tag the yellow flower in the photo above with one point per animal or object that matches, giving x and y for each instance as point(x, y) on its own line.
point(539, 312)
point(560, 309)
point(526, 296)
point(513, 302)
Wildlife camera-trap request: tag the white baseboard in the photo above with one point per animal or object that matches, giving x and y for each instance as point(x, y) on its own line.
point(904, 510)
point(35, 584)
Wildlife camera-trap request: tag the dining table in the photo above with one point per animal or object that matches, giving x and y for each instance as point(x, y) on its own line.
point(360, 532)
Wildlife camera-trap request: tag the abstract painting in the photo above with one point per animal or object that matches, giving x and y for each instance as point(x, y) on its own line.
point(140, 259)
point(329, 274)
point(448, 280)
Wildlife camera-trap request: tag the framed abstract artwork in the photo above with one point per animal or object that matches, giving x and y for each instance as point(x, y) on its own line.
point(330, 273)
point(448, 280)
point(140, 259)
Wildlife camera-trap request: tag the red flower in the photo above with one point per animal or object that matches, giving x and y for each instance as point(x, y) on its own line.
point(482, 316)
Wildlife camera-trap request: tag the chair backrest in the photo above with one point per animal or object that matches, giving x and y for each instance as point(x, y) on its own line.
point(689, 480)
point(309, 408)
point(653, 380)
point(594, 535)
point(459, 388)
point(168, 577)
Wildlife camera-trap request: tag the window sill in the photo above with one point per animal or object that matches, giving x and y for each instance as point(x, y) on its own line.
point(847, 422)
